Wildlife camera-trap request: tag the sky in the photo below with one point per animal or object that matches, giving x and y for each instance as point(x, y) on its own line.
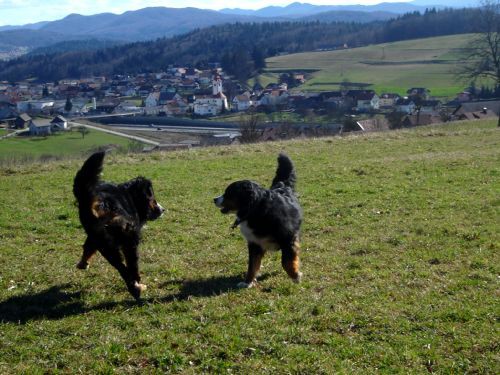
point(20, 12)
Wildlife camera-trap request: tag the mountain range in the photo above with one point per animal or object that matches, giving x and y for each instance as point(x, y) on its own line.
point(299, 10)
point(157, 22)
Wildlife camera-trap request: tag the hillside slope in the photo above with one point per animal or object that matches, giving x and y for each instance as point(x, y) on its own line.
point(400, 253)
point(387, 67)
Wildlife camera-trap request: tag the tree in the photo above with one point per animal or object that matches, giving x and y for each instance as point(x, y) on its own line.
point(249, 128)
point(68, 105)
point(395, 119)
point(483, 58)
point(350, 124)
point(83, 131)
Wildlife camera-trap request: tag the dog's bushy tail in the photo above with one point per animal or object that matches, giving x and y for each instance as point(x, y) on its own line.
point(285, 174)
point(88, 176)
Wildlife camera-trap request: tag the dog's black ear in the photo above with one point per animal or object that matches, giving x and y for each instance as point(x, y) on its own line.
point(248, 197)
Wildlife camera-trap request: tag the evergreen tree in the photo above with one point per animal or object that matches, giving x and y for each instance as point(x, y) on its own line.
point(68, 105)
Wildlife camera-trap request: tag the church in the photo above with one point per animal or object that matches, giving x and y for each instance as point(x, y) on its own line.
point(211, 105)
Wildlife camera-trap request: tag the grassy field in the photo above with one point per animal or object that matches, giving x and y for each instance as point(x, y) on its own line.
point(265, 117)
point(400, 259)
point(389, 67)
point(57, 145)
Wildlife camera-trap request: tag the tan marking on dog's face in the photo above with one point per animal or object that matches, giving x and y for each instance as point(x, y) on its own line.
point(97, 209)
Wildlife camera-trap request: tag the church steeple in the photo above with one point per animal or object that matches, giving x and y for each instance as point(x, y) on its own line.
point(217, 85)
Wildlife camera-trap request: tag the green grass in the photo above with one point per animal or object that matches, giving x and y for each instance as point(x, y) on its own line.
point(57, 145)
point(264, 117)
point(389, 67)
point(400, 259)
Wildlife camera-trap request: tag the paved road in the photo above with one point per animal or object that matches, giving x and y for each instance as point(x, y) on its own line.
point(175, 129)
point(13, 133)
point(120, 134)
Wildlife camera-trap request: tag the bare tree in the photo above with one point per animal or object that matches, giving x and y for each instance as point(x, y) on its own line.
point(83, 131)
point(249, 128)
point(483, 58)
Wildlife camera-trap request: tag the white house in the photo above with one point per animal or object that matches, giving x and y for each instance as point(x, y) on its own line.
point(367, 101)
point(40, 127)
point(206, 109)
point(59, 123)
point(388, 100)
point(405, 105)
point(152, 99)
point(242, 103)
point(273, 97)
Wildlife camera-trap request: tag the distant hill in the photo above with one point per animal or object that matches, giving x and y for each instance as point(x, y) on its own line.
point(349, 16)
point(29, 26)
point(142, 24)
point(240, 47)
point(32, 38)
point(299, 10)
point(75, 45)
point(388, 67)
point(447, 3)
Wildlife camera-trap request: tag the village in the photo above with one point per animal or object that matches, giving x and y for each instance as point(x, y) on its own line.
point(183, 92)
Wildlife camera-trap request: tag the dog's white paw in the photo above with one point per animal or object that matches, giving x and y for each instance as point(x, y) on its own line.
point(244, 285)
point(141, 287)
point(298, 278)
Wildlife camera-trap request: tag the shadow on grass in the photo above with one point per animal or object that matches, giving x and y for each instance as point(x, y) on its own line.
point(57, 302)
point(209, 287)
point(52, 303)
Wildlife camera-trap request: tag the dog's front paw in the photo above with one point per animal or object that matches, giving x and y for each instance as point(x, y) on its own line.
point(298, 278)
point(244, 285)
point(82, 265)
point(136, 289)
point(140, 286)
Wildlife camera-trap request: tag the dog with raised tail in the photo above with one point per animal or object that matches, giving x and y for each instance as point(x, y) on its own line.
point(113, 216)
point(269, 219)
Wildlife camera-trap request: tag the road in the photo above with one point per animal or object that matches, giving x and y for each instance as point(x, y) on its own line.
point(132, 137)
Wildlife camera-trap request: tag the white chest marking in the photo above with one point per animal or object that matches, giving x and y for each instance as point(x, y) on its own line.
point(265, 242)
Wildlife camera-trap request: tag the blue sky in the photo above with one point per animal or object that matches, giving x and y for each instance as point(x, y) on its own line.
point(20, 12)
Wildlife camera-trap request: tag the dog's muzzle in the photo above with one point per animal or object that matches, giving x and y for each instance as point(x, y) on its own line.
point(218, 201)
point(162, 210)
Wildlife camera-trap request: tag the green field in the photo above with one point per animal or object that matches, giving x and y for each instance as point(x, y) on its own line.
point(57, 145)
point(400, 259)
point(389, 67)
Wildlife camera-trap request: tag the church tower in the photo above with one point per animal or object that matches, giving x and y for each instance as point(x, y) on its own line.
point(217, 85)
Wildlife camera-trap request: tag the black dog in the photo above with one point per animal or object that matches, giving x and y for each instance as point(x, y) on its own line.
point(268, 219)
point(112, 216)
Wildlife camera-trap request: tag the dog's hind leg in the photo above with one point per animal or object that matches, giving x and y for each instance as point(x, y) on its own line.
point(255, 254)
point(290, 260)
point(89, 250)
